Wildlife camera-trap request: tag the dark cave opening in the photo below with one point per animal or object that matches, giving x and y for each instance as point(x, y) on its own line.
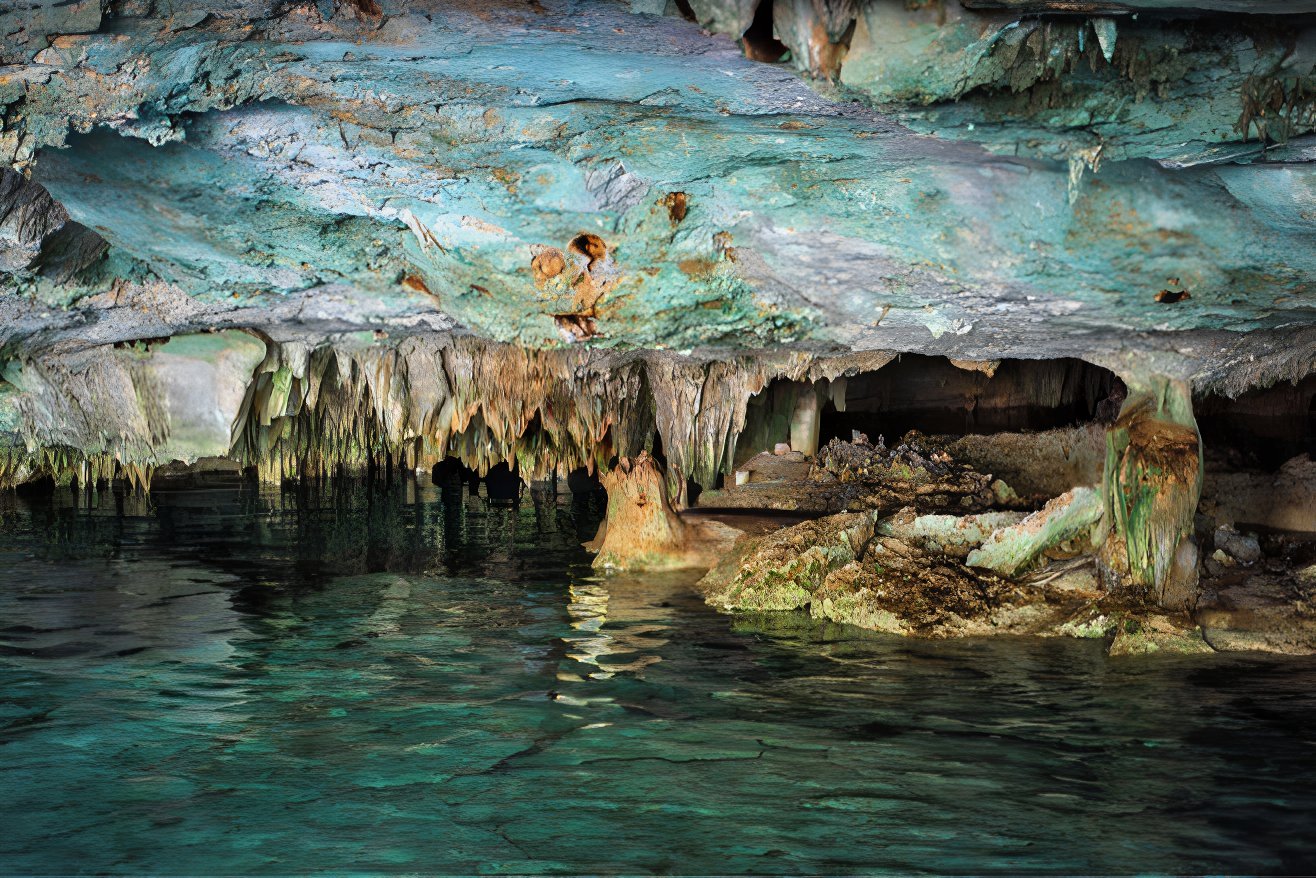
point(934, 396)
point(760, 40)
point(1260, 429)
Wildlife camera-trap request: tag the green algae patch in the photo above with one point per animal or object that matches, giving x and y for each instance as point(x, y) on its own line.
point(1012, 550)
point(838, 603)
point(1157, 634)
point(782, 570)
point(1089, 625)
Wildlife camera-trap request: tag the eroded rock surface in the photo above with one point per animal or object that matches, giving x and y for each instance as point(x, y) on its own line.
point(310, 238)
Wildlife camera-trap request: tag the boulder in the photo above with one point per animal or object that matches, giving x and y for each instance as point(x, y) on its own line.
point(1243, 548)
point(1012, 550)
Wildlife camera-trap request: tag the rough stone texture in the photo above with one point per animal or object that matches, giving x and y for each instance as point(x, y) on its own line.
point(1038, 466)
point(1285, 500)
point(769, 466)
point(1012, 550)
point(868, 476)
point(782, 570)
point(947, 534)
point(253, 166)
point(840, 569)
point(860, 476)
point(644, 532)
point(86, 414)
point(903, 589)
point(1263, 613)
point(1243, 548)
point(1267, 605)
point(1154, 634)
point(1087, 83)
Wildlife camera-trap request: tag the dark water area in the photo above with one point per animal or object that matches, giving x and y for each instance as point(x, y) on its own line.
point(355, 680)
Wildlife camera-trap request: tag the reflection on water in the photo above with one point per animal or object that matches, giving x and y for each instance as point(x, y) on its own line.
point(230, 681)
point(622, 622)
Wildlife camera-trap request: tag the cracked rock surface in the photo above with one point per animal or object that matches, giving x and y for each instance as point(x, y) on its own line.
point(613, 180)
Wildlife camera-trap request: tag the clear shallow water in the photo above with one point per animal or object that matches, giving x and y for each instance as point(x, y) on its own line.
point(238, 682)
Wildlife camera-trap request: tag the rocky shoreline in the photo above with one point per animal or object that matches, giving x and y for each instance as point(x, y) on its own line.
point(927, 547)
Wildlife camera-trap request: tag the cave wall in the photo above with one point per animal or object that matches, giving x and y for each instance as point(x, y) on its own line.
point(626, 221)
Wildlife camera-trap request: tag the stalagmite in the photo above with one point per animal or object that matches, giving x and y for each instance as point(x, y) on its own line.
point(1151, 486)
point(643, 531)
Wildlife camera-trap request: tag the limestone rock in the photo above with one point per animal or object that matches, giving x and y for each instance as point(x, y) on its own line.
point(1243, 548)
point(1285, 500)
point(947, 534)
point(782, 570)
point(1012, 550)
point(791, 466)
point(1260, 612)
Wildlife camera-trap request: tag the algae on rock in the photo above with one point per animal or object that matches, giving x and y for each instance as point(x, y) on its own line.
point(1151, 488)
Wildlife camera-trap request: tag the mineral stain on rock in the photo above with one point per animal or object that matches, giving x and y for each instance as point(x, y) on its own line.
point(657, 436)
point(918, 246)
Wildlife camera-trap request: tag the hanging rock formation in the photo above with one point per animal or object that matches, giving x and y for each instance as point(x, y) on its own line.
point(316, 237)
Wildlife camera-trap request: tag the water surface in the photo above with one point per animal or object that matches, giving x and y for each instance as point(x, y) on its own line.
point(232, 681)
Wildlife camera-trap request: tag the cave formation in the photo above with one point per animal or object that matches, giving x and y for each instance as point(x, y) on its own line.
point(1010, 253)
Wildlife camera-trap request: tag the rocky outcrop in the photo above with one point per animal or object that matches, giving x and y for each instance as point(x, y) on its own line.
point(783, 570)
point(1284, 500)
point(843, 569)
point(308, 238)
point(644, 532)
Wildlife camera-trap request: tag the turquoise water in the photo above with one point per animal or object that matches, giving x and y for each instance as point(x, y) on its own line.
point(229, 681)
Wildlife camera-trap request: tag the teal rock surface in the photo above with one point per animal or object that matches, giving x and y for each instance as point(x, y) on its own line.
point(954, 180)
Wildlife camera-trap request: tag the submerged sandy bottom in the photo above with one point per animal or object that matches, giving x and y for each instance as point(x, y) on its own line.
point(239, 682)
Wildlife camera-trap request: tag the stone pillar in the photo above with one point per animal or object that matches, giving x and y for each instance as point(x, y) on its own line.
point(642, 530)
point(805, 421)
point(1151, 486)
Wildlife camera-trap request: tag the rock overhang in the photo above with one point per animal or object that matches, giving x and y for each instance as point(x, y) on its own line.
point(306, 172)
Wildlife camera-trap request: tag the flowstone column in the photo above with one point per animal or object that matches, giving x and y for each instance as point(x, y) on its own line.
point(1151, 486)
point(805, 421)
point(642, 530)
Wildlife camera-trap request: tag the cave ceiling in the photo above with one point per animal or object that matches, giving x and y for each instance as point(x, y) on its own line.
point(1017, 179)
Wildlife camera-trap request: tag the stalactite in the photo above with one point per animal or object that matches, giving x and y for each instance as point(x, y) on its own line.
point(426, 398)
point(431, 397)
point(94, 415)
point(350, 402)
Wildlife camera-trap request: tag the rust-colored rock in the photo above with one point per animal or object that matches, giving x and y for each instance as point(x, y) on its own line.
point(643, 530)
